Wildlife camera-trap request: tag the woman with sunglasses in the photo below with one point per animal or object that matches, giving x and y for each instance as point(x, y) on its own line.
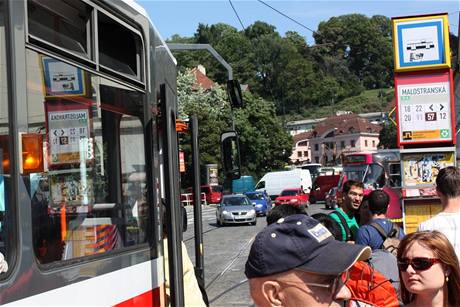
point(429, 270)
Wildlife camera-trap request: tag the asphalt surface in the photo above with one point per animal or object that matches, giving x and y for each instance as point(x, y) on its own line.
point(226, 249)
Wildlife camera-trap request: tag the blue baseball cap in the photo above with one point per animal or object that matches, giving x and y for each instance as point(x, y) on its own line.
point(301, 242)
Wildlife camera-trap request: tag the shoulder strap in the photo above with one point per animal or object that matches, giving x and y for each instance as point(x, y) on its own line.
point(348, 235)
point(380, 229)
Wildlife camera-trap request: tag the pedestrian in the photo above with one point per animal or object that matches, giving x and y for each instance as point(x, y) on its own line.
point(297, 262)
point(3, 264)
point(369, 234)
point(429, 270)
point(448, 220)
point(284, 210)
point(353, 192)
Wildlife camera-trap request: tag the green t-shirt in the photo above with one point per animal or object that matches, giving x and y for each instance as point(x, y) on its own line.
point(351, 222)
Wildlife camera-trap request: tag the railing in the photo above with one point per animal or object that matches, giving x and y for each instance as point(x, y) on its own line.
point(187, 199)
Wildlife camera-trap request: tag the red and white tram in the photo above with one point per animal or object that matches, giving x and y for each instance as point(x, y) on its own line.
point(89, 153)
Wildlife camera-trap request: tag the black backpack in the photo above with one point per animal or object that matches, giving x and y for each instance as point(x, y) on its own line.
point(390, 239)
point(348, 233)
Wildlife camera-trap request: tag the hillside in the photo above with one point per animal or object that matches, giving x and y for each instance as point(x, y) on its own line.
point(378, 100)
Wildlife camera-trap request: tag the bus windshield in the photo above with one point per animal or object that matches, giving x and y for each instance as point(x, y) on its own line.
point(355, 172)
point(375, 176)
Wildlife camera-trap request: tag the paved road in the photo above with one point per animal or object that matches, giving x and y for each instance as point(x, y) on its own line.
point(225, 252)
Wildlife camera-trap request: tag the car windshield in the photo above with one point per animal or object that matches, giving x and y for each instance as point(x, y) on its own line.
point(255, 196)
point(236, 201)
point(289, 193)
point(216, 188)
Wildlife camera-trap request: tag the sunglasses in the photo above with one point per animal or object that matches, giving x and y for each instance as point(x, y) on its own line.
point(334, 285)
point(418, 263)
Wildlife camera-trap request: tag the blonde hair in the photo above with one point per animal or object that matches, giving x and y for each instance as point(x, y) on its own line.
point(444, 251)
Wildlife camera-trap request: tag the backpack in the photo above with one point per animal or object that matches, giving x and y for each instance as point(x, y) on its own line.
point(369, 286)
point(348, 233)
point(390, 240)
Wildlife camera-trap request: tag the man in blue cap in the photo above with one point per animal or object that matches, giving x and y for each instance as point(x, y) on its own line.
point(297, 262)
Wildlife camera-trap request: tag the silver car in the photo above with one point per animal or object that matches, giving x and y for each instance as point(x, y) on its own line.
point(235, 209)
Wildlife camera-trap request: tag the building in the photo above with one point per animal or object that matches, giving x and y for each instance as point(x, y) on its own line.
point(334, 136)
point(300, 126)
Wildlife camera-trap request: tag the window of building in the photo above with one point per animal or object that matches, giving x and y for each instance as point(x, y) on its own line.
point(305, 154)
point(342, 144)
point(316, 159)
point(365, 143)
point(91, 199)
point(373, 143)
point(351, 130)
point(316, 147)
point(299, 154)
point(352, 143)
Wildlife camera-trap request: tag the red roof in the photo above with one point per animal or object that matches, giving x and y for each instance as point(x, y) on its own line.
point(201, 80)
point(302, 136)
point(346, 124)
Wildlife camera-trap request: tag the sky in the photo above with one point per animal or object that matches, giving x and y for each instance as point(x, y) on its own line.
point(182, 17)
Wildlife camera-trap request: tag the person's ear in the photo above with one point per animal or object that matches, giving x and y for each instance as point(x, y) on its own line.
point(272, 292)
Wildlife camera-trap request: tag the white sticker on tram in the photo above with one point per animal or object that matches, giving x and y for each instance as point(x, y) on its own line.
point(105, 290)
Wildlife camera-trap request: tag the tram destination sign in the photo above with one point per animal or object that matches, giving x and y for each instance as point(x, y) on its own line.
point(425, 108)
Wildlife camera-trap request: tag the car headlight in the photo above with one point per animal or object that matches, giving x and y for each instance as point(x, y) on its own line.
point(225, 212)
point(294, 200)
point(252, 212)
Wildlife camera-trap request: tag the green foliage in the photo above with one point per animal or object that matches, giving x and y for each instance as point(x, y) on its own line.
point(264, 143)
point(387, 136)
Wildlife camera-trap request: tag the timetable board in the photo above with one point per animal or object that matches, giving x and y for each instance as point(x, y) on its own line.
point(424, 108)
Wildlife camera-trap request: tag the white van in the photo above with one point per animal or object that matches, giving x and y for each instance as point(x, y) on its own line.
point(275, 182)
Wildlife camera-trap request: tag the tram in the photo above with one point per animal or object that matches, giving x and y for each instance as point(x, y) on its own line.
point(88, 146)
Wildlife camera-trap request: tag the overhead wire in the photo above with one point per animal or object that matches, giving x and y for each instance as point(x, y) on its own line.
point(236, 13)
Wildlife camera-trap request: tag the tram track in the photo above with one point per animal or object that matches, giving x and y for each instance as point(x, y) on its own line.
point(227, 267)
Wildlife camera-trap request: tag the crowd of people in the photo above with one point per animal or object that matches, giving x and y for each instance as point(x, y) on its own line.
point(341, 259)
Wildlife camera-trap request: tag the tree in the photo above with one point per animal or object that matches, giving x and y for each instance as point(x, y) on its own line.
point(387, 136)
point(264, 144)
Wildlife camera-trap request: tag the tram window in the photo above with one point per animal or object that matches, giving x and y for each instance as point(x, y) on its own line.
point(91, 196)
point(120, 49)
point(65, 24)
point(5, 211)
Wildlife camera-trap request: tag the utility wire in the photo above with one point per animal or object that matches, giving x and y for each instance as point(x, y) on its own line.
point(292, 19)
point(236, 13)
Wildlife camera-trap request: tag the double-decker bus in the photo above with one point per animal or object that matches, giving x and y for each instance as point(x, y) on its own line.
point(377, 170)
point(88, 146)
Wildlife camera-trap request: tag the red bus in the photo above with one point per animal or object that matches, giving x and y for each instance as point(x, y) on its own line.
point(377, 170)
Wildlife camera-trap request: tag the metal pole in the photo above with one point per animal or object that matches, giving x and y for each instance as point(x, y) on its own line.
point(199, 257)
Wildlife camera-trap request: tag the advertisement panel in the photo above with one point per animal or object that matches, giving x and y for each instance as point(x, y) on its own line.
point(424, 107)
point(420, 169)
point(421, 42)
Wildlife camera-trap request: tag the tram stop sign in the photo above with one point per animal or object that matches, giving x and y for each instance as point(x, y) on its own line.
point(424, 106)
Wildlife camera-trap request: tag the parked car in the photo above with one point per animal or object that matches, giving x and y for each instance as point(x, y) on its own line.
point(293, 197)
point(261, 201)
point(235, 209)
point(331, 198)
point(213, 193)
point(321, 186)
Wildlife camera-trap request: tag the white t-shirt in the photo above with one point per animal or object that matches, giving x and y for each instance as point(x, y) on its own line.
point(449, 224)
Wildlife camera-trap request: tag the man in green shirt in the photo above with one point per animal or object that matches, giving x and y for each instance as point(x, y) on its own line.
point(353, 192)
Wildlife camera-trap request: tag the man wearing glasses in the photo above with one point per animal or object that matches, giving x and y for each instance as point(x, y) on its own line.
point(297, 262)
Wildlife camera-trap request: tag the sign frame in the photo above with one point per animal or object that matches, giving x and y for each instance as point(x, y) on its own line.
point(425, 78)
point(62, 106)
point(71, 74)
point(407, 32)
